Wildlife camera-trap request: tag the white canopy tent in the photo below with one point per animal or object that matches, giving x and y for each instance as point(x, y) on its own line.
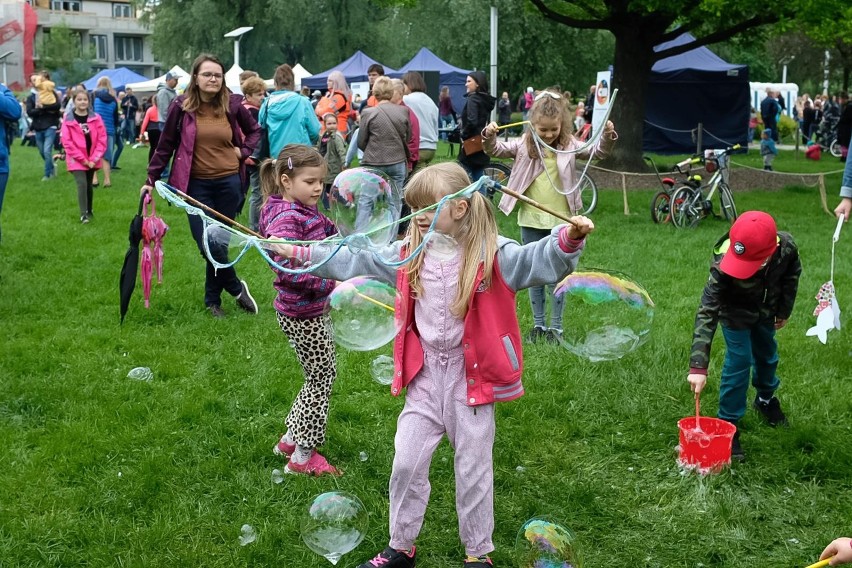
point(150, 86)
point(232, 78)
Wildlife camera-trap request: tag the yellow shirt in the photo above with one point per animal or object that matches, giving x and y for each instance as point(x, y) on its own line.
point(542, 191)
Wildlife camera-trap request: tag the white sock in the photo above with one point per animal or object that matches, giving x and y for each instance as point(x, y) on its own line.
point(302, 454)
point(287, 438)
point(764, 400)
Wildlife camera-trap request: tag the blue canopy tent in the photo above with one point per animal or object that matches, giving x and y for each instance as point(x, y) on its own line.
point(354, 69)
point(450, 76)
point(695, 87)
point(119, 77)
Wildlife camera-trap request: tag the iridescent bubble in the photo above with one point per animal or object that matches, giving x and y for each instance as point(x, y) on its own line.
point(335, 523)
point(247, 535)
point(382, 369)
point(542, 543)
point(607, 315)
point(365, 200)
point(363, 312)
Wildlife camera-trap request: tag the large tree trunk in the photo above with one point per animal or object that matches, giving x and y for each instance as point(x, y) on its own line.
point(634, 51)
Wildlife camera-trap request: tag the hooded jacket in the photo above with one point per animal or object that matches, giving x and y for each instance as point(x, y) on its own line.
point(74, 142)
point(107, 108)
point(288, 118)
point(165, 96)
point(474, 117)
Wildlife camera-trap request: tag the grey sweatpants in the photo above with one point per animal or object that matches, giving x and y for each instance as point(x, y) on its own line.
point(435, 404)
point(83, 179)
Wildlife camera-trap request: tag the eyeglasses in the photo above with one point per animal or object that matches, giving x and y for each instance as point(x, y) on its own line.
point(208, 75)
point(550, 94)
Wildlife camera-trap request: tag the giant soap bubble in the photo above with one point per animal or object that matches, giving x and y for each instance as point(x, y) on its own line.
point(363, 311)
point(607, 315)
point(545, 544)
point(335, 523)
point(365, 200)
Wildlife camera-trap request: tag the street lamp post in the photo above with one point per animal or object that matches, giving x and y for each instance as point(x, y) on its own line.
point(3, 59)
point(237, 35)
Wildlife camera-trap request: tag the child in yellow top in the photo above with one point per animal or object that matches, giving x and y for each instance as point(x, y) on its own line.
point(46, 90)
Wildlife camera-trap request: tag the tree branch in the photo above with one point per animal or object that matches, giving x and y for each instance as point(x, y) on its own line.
point(597, 24)
point(715, 37)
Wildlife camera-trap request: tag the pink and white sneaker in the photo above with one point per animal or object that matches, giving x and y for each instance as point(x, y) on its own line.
point(282, 448)
point(316, 465)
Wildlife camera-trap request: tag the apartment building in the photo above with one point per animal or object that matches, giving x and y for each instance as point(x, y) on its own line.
point(110, 28)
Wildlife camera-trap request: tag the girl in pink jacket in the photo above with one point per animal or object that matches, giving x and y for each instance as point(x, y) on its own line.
point(84, 138)
point(550, 179)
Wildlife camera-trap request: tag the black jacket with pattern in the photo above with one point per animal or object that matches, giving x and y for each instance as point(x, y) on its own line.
point(740, 304)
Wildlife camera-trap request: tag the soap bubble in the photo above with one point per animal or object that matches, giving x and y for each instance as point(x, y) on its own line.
point(362, 310)
point(247, 535)
point(382, 369)
point(363, 456)
point(364, 200)
point(544, 544)
point(277, 476)
point(335, 523)
point(607, 315)
point(141, 374)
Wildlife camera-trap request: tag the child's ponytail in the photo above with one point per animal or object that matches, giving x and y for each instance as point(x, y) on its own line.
point(268, 179)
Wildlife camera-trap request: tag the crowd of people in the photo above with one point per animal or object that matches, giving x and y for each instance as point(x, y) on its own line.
point(460, 349)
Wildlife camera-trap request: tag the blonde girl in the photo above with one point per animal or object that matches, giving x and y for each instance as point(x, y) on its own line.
point(292, 185)
point(550, 179)
point(459, 351)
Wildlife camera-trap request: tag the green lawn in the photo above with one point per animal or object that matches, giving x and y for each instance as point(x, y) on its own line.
point(101, 470)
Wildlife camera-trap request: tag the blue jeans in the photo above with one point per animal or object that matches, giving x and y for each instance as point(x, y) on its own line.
point(224, 195)
point(4, 178)
point(119, 146)
point(44, 141)
point(537, 293)
point(749, 353)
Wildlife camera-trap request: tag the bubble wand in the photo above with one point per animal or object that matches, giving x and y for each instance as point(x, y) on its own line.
point(510, 125)
point(821, 563)
point(528, 200)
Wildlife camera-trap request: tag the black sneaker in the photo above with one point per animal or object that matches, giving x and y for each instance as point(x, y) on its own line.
point(390, 558)
point(216, 311)
point(245, 301)
point(535, 334)
point(552, 336)
point(737, 452)
point(771, 411)
point(481, 562)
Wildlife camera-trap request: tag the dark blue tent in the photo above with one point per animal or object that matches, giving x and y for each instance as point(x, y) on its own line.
point(450, 76)
point(119, 77)
point(354, 69)
point(695, 87)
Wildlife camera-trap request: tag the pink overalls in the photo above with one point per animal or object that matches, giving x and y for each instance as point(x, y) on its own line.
point(436, 404)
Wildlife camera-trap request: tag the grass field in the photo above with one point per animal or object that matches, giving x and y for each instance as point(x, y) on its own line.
point(101, 470)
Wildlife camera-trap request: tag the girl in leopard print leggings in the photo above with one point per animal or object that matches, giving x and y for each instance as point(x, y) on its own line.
point(291, 185)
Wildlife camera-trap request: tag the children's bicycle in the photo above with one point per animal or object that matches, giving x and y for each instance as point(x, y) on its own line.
point(500, 172)
point(690, 205)
point(661, 203)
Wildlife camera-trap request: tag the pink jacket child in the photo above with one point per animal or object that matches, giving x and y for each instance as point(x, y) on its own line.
point(74, 142)
point(527, 168)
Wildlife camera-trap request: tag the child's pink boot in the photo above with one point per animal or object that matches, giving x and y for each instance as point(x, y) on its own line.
point(316, 465)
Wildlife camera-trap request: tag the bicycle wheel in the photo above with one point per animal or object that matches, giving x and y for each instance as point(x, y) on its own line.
point(588, 195)
point(661, 208)
point(685, 208)
point(729, 209)
point(835, 148)
point(498, 172)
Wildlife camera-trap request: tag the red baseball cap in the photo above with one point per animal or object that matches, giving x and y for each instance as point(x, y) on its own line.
point(753, 239)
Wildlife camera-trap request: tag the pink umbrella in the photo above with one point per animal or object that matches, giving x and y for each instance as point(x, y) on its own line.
point(153, 231)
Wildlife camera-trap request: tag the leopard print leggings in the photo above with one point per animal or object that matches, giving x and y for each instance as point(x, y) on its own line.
point(313, 340)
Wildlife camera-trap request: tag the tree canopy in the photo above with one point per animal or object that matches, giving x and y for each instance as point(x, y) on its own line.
point(62, 53)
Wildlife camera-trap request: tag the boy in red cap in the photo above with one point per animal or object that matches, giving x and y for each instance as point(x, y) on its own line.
point(751, 290)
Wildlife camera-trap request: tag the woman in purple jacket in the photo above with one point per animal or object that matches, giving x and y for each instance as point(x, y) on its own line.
point(210, 134)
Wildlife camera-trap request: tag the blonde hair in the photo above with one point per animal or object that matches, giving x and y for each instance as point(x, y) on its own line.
point(253, 85)
point(477, 232)
point(103, 83)
point(383, 89)
point(193, 93)
point(289, 160)
point(551, 107)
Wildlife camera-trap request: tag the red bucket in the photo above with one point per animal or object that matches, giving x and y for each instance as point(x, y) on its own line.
point(708, 450)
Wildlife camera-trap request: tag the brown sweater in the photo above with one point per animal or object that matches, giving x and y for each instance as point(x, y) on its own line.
point(214, 154)
point(384, 134)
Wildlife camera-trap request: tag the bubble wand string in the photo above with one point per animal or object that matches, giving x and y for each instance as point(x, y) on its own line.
point(212, 211)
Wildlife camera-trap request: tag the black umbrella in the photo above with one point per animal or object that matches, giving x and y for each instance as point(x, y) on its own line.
point(127, 280)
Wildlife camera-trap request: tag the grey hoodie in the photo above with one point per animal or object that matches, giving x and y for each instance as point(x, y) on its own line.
point(165, 96)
